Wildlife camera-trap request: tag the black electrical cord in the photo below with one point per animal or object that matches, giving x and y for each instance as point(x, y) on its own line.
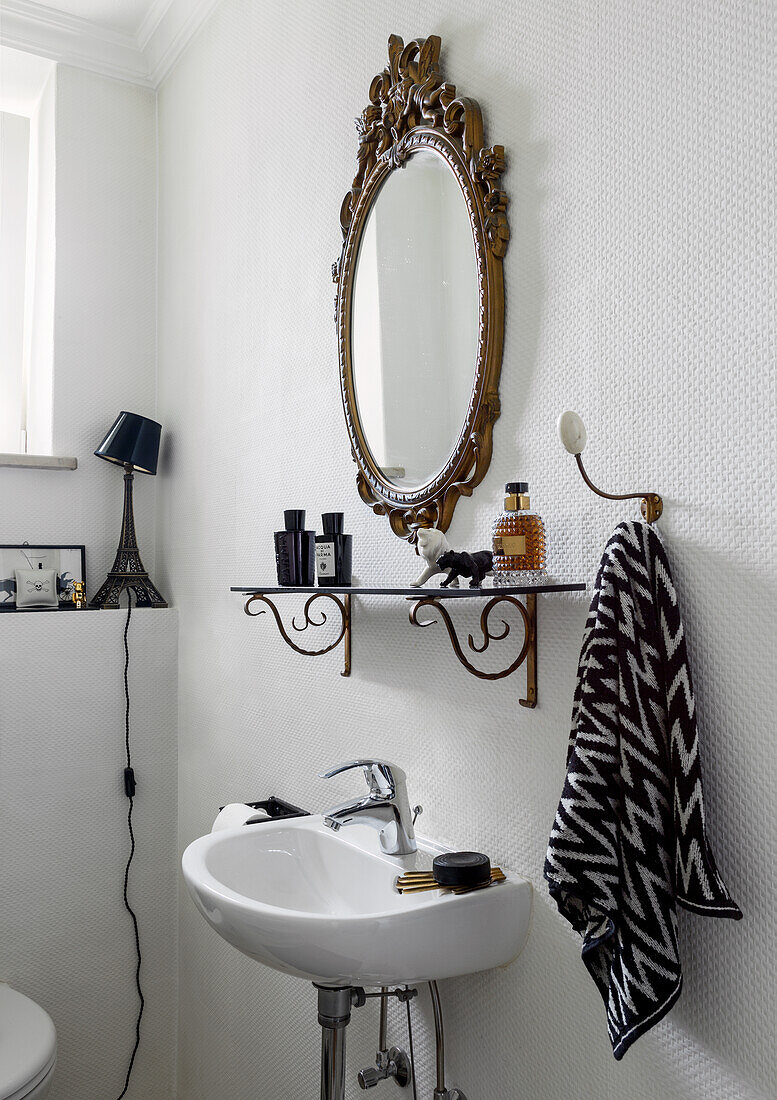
point(129, 790)
point(410, 1044)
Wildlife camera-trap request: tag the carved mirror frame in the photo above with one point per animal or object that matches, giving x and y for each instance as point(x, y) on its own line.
point(411, 107)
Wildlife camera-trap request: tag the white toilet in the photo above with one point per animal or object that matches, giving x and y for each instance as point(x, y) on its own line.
point(28, 1047)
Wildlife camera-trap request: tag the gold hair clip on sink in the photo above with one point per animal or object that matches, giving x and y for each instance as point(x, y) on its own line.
point(413, 882)
point(457, 872)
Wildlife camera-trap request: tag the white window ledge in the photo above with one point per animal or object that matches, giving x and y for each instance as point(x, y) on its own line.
point(39, 462)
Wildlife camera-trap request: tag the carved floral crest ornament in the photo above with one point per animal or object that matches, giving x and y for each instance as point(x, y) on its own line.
point(413, 108)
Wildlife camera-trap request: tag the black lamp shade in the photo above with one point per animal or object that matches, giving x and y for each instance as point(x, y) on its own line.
point(133, 439)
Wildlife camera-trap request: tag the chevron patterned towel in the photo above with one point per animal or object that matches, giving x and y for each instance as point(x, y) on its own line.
point(629, 841)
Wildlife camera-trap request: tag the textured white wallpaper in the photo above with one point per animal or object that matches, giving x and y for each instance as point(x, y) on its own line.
point(640, 291)
point(65, 937)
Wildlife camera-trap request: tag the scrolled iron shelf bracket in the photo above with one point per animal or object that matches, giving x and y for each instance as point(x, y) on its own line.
point(522, 598)
point(344, 607)
point(527, 652)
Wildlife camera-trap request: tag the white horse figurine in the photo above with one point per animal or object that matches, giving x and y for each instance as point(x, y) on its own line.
point(431, 545)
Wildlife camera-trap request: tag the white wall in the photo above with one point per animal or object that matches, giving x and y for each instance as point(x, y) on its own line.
point(64, 936)
point(640, 291)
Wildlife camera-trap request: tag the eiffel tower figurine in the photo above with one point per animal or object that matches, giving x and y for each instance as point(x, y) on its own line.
point(128, 570)
point(132, 442)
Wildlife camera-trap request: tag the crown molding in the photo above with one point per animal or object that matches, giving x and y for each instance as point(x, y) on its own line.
point(145, 59)
point(167, 30)
point(73, 41)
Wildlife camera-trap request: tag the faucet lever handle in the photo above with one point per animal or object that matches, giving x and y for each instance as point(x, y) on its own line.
point(383, 778)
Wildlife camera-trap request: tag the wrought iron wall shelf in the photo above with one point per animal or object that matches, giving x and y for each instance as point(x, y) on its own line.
point(420, 598)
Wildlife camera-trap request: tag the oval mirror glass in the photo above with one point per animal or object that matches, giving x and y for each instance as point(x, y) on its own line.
point(414, 321)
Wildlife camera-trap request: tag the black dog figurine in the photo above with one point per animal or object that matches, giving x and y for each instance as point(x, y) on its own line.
point(475, 566)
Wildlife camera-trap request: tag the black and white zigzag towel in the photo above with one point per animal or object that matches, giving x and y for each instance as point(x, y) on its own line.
point(629, 842)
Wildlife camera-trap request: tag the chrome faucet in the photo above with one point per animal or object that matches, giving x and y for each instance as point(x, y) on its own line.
point(385, 807)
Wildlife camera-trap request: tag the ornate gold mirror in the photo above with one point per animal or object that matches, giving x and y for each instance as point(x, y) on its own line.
point(420, 300)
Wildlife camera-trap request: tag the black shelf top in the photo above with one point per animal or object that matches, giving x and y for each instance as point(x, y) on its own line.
point(417, 593)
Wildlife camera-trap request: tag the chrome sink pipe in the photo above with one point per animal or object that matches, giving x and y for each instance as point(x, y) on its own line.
point(385, 807)
point(441, 1092)
point(334, 1015)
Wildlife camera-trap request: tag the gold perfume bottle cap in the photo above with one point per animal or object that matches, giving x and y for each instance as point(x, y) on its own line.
point(517, 496)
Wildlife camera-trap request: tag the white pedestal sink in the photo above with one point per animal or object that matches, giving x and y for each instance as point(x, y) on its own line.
point(303, 899)
point(322, 905)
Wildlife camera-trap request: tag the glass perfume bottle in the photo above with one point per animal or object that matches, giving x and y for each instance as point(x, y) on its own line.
point(519, 539)
point(333, 552)
point(295, 551)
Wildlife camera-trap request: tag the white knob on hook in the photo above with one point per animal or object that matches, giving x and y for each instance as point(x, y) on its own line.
point(571, 432)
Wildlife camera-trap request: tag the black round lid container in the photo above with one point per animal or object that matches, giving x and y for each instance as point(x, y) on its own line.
point(461, 869)
point(517, 487)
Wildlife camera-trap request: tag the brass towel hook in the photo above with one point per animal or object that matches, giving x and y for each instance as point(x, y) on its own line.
point(572, 433)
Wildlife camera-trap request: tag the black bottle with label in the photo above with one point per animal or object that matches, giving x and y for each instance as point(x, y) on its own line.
point(333, 553)
point(295, 551)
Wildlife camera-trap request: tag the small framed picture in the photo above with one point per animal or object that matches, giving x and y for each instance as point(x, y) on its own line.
point(42, 578)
